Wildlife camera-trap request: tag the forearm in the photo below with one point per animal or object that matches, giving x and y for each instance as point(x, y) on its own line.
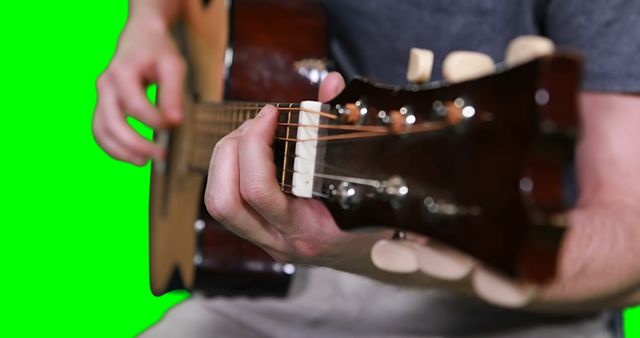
point(598, 264)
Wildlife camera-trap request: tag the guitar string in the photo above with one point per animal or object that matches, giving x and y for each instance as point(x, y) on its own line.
point(367, 132)
point(336, 176)
point(206, 153)
point(212, 125)
point(251, 109)
point(364, 131)
point(370, 131)
point(355, 180)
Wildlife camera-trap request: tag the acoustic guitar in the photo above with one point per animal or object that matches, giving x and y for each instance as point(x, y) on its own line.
point(483, 165)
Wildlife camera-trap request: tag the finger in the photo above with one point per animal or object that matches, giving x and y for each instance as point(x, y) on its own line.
point(171, 72)
point(258, 185)
point(395, 256)
point(499, 290)
point(330, 87)
point(234, 134)
point(132, 97)
point(116, 128)
point(440, 261)
point(118, 151)
point(223, 200)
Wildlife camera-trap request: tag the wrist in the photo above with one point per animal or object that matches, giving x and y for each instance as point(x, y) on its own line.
point(155, 14)
point(149, 22)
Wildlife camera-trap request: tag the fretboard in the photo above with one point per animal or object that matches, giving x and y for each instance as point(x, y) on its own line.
point(215, 120)
point(295, 149)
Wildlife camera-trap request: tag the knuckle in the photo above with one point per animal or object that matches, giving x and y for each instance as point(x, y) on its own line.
point(110, 128)
point(102, 82)
point(255, 193)
point(223, 147)
point(279, 256)
point(176, 63)
point(220, 208)
point(119, 72)
point(307, 250)
point(97, 130)
point(136, 107)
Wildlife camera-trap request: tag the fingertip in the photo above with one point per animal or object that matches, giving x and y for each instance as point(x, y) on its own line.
point(437, 260)
point(394, 256)
point(173, 117)
point(331, 86)
point(267, 111)
point(500, 290)
point(139, 161)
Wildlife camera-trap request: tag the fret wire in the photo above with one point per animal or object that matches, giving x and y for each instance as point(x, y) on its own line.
point(201, 163)
point(231, 105)
point(313, 192)
point(202, 148)
point(224, 120)
point(235, 116)
point(201, 113)
point(207, 124)
point(286, 149)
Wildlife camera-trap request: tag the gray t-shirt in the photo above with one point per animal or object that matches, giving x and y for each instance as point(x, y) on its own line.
point(372, 38)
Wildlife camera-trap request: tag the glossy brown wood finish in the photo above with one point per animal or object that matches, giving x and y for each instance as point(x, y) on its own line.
point(272, 37)
point(492, 186)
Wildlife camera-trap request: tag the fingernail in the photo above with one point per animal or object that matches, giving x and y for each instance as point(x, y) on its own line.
point(440, 261)
point(500, 290)
point(140, 161)
point(175, 116)
point(265, 108)
point(394, 256)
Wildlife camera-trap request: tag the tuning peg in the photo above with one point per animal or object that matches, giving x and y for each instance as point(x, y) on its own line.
point(397, 256)
point(460, 66)
point(420, 65)
point(527, 47)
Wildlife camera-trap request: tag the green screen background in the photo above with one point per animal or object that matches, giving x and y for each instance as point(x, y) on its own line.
point(73, 239)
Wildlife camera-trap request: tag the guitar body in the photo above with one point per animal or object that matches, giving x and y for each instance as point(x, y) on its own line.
point(242, 53)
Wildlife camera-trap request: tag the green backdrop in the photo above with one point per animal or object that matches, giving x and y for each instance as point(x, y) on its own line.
point(73, 222)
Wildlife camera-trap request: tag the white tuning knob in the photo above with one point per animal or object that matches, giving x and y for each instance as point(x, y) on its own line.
point(527, 47)
point(460, 66)
point(420, 65)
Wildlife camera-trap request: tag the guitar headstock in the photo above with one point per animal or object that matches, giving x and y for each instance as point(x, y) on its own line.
point(478, 162)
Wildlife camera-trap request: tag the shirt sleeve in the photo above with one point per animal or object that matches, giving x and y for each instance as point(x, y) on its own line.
point(607, 32)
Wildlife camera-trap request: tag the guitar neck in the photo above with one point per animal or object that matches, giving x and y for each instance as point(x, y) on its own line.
point(213, 121)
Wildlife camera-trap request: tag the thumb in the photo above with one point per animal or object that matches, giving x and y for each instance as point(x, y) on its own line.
point(330, 87)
